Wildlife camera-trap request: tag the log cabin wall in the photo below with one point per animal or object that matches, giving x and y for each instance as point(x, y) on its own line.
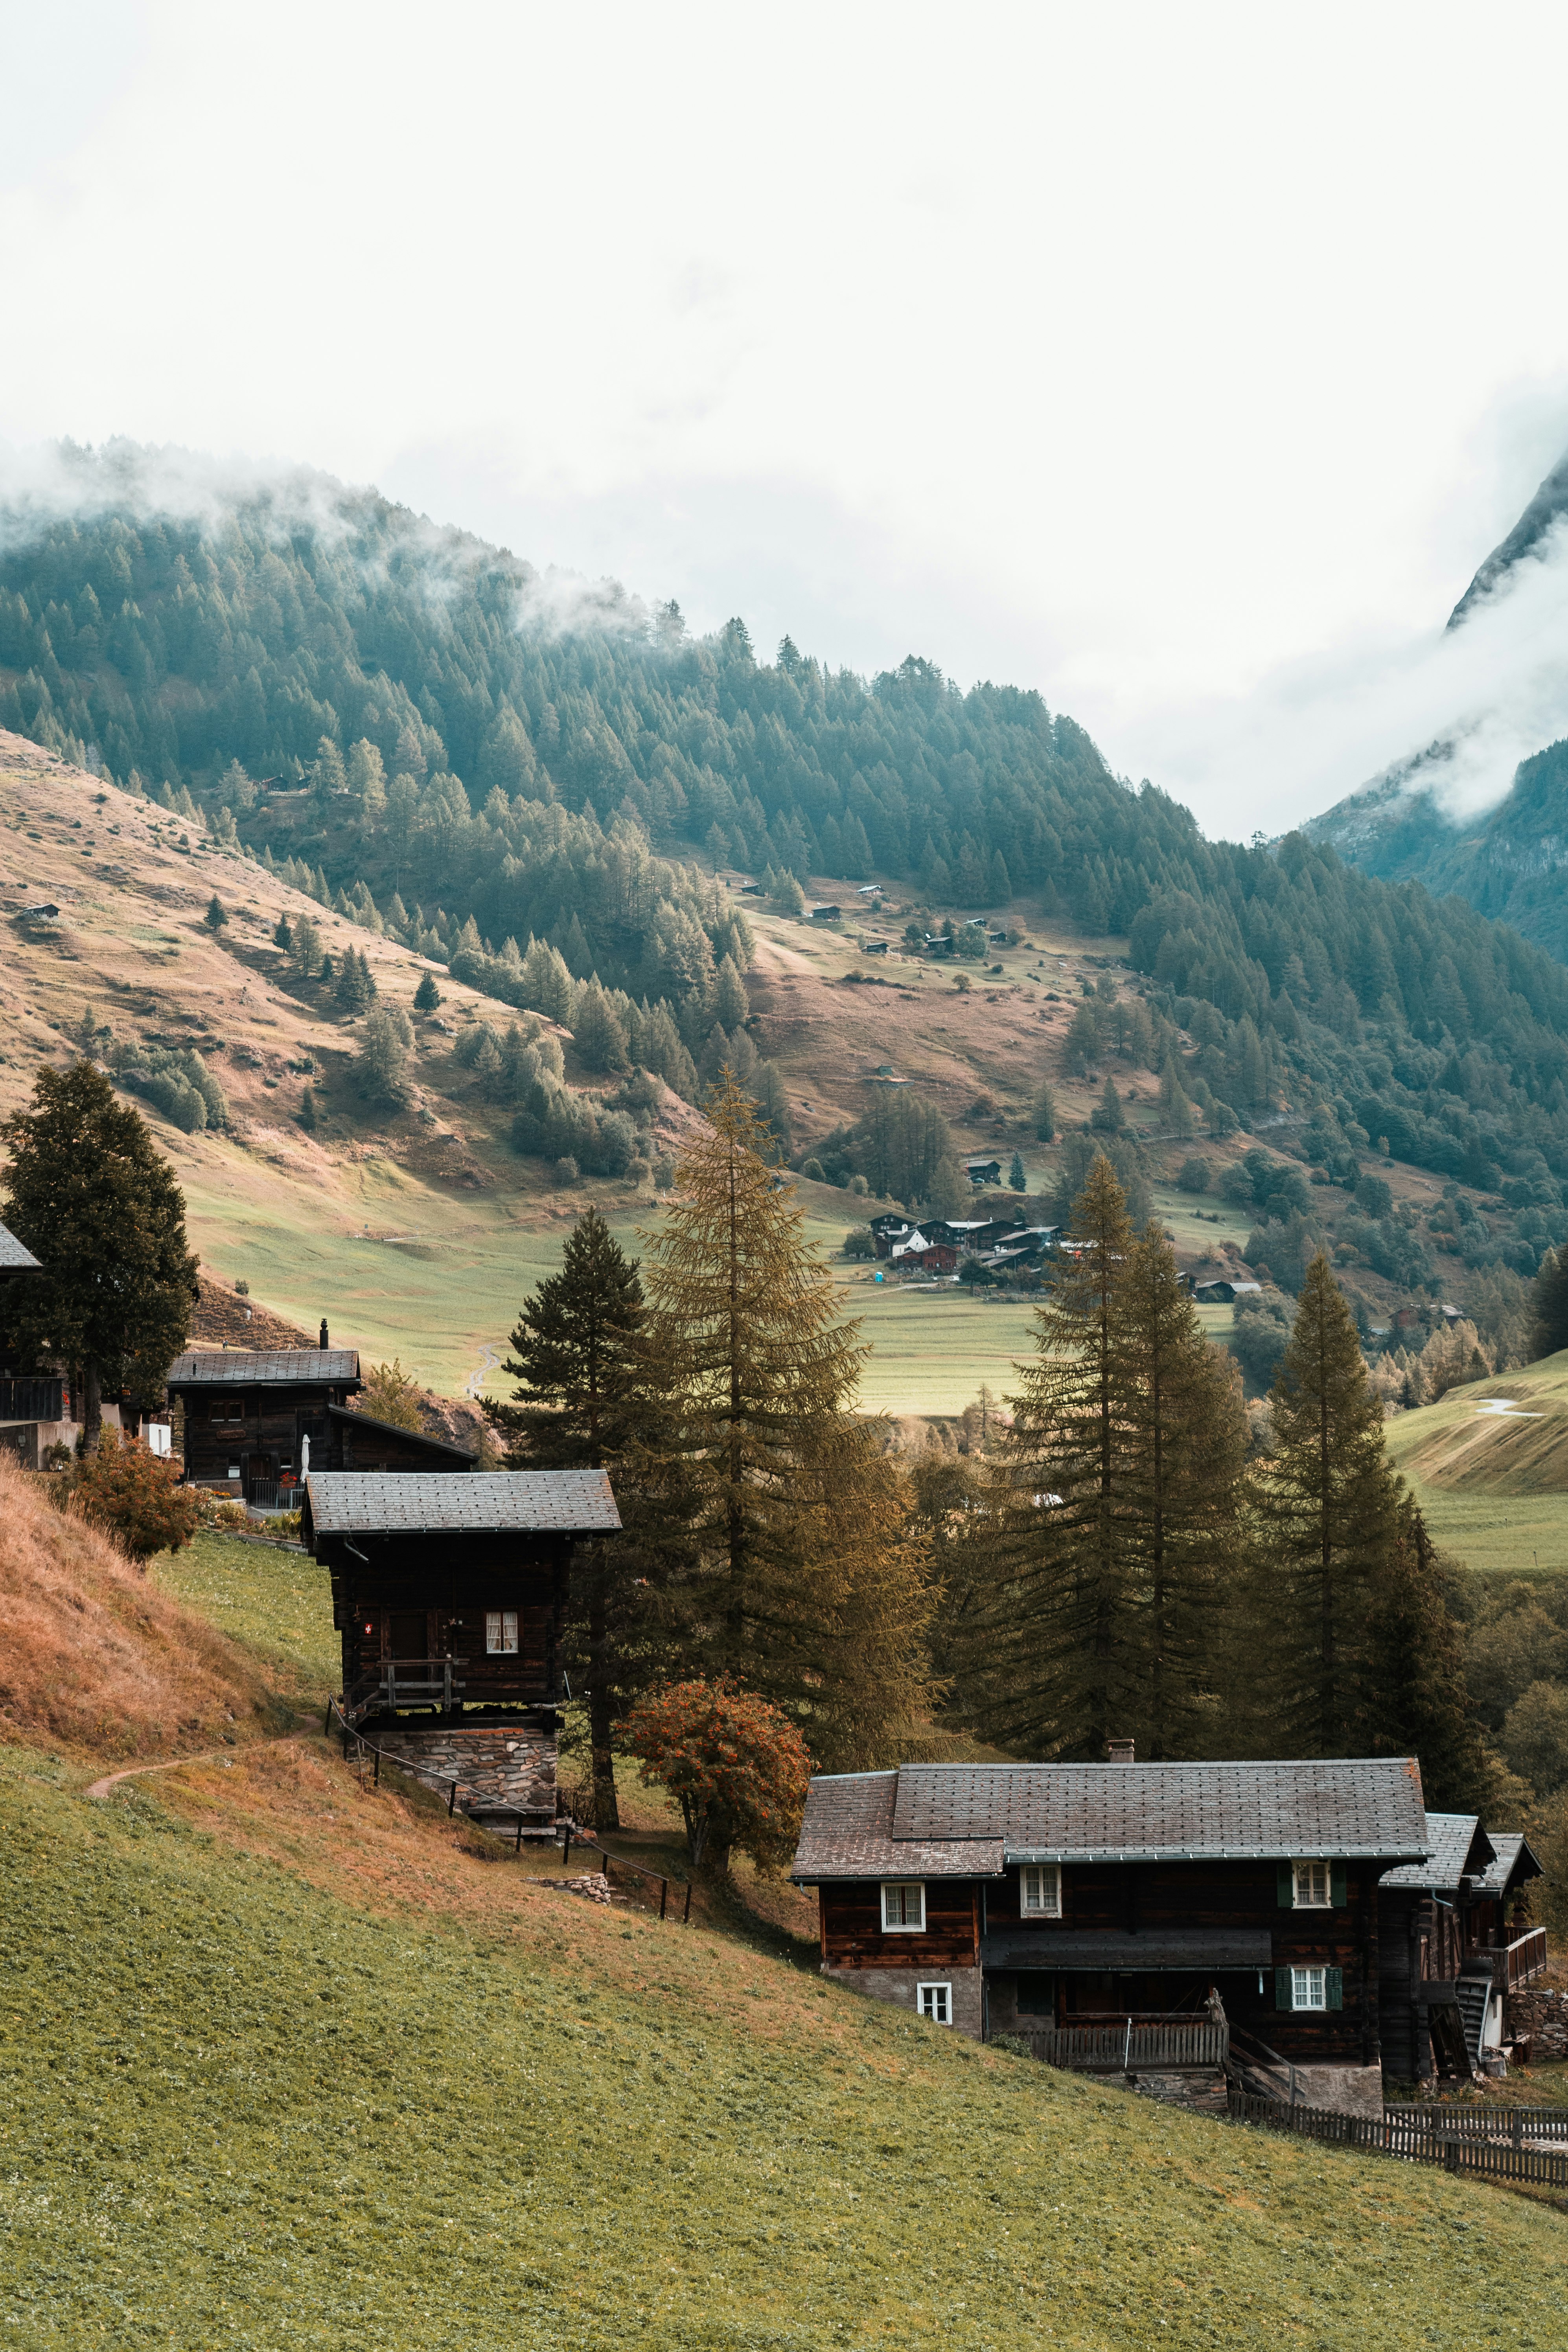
point(428, 1596)
point(853, 1935)
point(227, 1426)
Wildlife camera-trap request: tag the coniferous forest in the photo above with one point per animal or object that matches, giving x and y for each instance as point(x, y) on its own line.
point(391, 714)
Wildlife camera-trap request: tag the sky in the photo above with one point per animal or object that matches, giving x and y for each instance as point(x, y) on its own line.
point(1180, 363)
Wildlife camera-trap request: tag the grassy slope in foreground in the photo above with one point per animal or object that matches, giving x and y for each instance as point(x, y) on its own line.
point(1493, 1485)
point(284, 2064)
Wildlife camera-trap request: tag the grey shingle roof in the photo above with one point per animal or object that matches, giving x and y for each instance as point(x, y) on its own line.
point(13, 1256)
point(353, 1420)
point(1514, 1862)
point(848, 1833)
point(253, 1367)
point(1460, 1847)
point(370, 1502)
point(883, 1823)
point(1116, 1812)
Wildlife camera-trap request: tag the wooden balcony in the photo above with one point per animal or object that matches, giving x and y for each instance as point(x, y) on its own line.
point(32, 1399)
point(1157, 2046)
point(441, 1683)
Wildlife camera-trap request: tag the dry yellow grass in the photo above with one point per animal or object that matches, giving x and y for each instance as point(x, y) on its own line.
point(94, 1657)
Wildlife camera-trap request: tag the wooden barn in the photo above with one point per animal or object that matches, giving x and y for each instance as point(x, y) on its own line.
point(448, 1594)
point(1453, 1940)
point(1123, 1904)
point(257, 1421)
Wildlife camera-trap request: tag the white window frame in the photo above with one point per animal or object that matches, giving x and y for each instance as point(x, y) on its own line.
point(1310, 1902)
point(1302, 1987)
point(904, 1887)
point(939, 1992)
point(499, 1624)
point(1040, 1890)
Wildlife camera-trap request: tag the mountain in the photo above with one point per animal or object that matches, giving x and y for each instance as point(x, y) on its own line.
point(1507, 861)
point(546, 797)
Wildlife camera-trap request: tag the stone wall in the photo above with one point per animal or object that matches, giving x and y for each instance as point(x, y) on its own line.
point(504, 1768)
point(1540, 2018)
point(898, 1986)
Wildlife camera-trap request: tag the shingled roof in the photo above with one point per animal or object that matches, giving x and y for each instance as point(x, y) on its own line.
point(1458, 1848)
point(254, 1367)
point(14, 1258)
point(1513, 1863)
point(421, 1502)
point(973, 1819)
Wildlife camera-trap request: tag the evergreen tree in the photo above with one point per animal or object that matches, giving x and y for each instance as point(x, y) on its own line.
point(1185, 1440)
point(1065, 1622)
point(217, 917)
point(1549, 1306)
point(1018, 1176)
point(1327, 1503)
point(97, 1203)
point(355, 986)
point(1045, 1113)
point(307, 1115)
point(427, 996)
point(585, 1394)
point(796, 1573)
point(599, 1038)
point(1107, 1117)
point(1417, 1703)
point(771, 1099)
point(730, 1002)
point(283, 936)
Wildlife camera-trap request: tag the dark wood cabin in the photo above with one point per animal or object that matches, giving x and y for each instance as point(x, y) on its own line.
point(1062, 1902)
point(1455, 1939)
point(448, 1592)
point(26, 1400)
point(257, 1420)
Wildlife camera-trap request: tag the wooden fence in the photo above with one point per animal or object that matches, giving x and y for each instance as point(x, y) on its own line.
point(1125, 2049)
point(1515, 2124)
point(1420, 2136)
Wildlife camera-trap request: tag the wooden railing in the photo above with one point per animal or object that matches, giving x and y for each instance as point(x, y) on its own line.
point(1525, 1958)
point(1124, 2049)
point(403, 1682)
point(1420, 2136)
point(1513, 2124)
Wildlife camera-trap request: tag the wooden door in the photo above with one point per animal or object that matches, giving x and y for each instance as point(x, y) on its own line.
point(407, 1633)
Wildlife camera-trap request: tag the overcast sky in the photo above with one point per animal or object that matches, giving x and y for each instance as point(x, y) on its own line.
point(1180, 363)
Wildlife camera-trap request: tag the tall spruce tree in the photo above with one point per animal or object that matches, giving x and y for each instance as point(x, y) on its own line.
point(1549, 1305)
point(584, 1399)
point(1328, 1506)
point(97, 1203)
point(1065, 1597)
point(1417, 1704)
point(1185, 1439)
point(795, 1573)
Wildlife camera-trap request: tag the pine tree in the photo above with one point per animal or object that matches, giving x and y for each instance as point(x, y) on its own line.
point(1184, 1439)
point(771, 1099)
point(599, 1038)
point(283, 936)
point(730, 1002)
point(355, 986)
point(1018, 1176)
point(97, 1203)
point(427, 996)
point(216, 916)
point(308, 1115)
point(1417, 1703)
point(794, 1572)
point(1549, 1305)
point(1327, 1503)
point(1065, 1619)
point(1045, 1113)
point(585, 1394)
point(1107, 1117)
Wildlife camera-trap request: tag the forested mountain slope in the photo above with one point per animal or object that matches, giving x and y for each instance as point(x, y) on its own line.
point(388, 713)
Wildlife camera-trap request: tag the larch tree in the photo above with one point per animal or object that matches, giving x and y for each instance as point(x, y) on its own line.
point(1063, 1604)
point(584, 1398)
point(1184, 1439)
point(97, 1203)
point(794, 1570)
point(1328, 1504)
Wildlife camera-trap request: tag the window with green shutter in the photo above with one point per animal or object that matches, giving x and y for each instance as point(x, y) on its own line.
point(1283, 1993)
point(1335, 1987)
point(1286, 1885)
point(1338, 1894)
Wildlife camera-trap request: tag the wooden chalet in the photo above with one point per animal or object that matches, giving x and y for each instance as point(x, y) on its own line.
point(1454, 1941)
point(1135, 1909)
point(26, 1401)
point(448, 1595)
point(258, 1420)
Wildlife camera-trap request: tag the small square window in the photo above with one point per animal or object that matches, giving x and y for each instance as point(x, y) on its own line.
point(936, 2002)
point(1309, 1989)
point(500, 1633)
point(234, 1469)
point(1310, 1883)
point(1040, 1891)
point(904, 1906)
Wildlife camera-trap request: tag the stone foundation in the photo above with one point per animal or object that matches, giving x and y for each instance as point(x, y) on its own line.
point(505, 1769)
point(898, 1986)
point(1540, 2018)
point(1344, 2090)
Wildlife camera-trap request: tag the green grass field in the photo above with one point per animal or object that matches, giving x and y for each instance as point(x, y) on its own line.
point(253, 2095)
point(278, 1602)
point(1493, 1487)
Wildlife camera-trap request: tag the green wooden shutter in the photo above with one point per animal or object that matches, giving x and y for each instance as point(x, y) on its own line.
point(1334, 1988)
point(1287, 1887)
point(1338, 1894)
point(1282, 1990)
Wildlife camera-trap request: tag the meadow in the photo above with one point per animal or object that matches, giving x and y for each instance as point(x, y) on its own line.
point(1493, 1485)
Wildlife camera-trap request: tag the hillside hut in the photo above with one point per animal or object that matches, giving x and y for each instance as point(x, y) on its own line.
point(26, 1401)
point(448, 1596)
point(1451, 1948)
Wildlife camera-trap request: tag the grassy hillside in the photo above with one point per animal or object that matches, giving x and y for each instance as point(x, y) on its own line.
point(1488, 1465)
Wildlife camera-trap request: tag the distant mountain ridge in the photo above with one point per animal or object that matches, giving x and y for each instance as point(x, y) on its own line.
point(1508, 861)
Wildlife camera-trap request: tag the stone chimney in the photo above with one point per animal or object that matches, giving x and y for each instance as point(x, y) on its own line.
point(1120, 1751)
point(325, 1341)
